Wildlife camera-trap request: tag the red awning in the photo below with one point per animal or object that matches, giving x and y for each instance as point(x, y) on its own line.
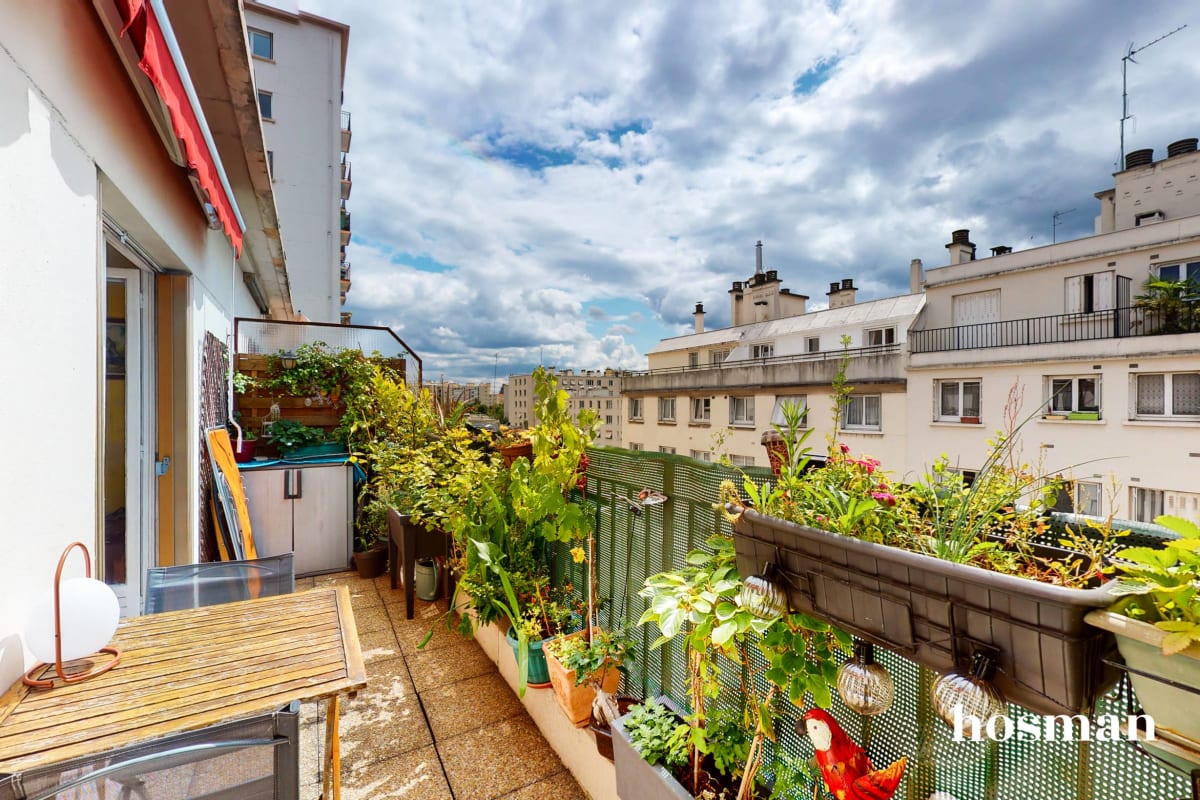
point(146, 34)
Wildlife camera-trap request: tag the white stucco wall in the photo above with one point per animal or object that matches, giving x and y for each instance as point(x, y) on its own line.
point(305, 83)
point(74, 138)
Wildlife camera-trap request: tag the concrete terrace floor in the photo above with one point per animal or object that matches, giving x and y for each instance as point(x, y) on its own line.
point(432, 724)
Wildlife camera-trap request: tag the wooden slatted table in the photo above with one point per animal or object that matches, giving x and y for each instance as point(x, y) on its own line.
point(187, 670)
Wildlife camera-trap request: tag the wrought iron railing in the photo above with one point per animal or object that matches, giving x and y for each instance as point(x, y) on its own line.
point(1113, 323)
point(824, 355)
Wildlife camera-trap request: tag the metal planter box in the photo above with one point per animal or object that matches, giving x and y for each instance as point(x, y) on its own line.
point(636, 779)
point(938, 613)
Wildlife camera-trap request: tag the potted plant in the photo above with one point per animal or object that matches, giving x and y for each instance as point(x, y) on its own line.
point(579, 667)
point(939, 569)
point(294, 438)
point(718, 617)
point(1157, 625)
point(370, 541)
point(245, 441)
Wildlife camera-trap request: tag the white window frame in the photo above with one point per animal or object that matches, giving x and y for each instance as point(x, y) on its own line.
point(666, 409)
point(269, 116)
point(717, 357)
point(762, 350)
point(812, 344)
point(856, 416)
point(670, 451)
point(1182, 269)
point(741, 411)
point(1087, 294)
point(701, 409)
point(266, 35)
point(741, 461)
point(885, 336)
point(702, 455)
point(1168, 399)
point(1089, 498)
point(635, 409)
point(777, 411)
point(693, 360)
point(1065, 394)
point(634, 446)
point(955, 414)
point(1145, 504)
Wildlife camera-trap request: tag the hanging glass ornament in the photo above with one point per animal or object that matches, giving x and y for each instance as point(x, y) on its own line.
point(864, 685)
point(762, 595)
point(968, 702)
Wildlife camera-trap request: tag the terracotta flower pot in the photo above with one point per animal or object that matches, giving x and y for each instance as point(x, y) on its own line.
point(576, 701)
point(371, 563)
point(512, 452)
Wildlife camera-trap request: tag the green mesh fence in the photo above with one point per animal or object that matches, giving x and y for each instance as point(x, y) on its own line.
point(633, 542)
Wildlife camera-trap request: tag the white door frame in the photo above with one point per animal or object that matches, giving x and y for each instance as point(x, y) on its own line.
point(140, 500)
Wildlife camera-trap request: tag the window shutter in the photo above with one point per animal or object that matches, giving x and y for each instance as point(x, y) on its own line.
point(1104, 293)
point(1074, 294)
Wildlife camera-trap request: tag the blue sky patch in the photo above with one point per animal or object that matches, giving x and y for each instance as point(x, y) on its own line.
point(810, 81)
point(529, 156)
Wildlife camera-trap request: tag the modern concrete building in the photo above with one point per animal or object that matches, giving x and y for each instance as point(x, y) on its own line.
point(137, 220)
point(299, 64)
point(596, 390)
point(1110, 382)
point(714, 393)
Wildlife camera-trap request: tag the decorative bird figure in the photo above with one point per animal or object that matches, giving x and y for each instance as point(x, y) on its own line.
point(845, 767)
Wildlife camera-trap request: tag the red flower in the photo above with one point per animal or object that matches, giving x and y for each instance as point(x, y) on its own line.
point(845, 448)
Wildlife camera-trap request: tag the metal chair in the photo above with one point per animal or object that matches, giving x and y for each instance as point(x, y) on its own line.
point(211, 583)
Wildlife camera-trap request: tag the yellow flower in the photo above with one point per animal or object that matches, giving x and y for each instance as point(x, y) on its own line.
point(577, 555)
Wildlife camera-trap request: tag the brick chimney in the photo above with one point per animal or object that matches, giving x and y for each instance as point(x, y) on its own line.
point(698, 315)
point(841, 294)
point(961, 248)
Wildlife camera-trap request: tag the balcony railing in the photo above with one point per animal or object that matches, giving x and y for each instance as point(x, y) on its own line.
point(345, 131)
point(824, 355)
point(1114, 323)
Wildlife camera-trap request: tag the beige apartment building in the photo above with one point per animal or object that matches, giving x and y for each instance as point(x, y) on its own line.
point(1110, 384)
point(714, 393)
point(596, 390)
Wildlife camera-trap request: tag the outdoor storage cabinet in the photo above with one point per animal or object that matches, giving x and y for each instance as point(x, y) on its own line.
point(303, 508)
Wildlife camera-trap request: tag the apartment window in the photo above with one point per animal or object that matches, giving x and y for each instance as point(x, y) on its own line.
point(799, 400)
point(264, 105)
point(635, 446)
point(262, 43)
point(762, 350)
point(812, 344)
point(635, 408)
point(1088, 293)
point(608, 403)
point(271, 164)
point(1179, 272)
point(608, 419)
point(1069, 395)
point(715, 357)
point(742, 461)
point(666, 409)
point(1170, 394)
point(668, 450)
point(1088, 498)
point(741, 411)
point(1145, 504)
point(958, 400)
point(701, 455)
point(693, 360)
point(701, 409)
point(862, 412)
point(881, 336)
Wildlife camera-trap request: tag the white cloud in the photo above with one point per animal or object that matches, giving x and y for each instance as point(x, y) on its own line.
point(561, 156)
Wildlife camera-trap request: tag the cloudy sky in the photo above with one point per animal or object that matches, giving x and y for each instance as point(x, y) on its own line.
point(561, 182)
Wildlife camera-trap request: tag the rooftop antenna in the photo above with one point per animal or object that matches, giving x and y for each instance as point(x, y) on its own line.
point(1058, 215)
point(1125, 60)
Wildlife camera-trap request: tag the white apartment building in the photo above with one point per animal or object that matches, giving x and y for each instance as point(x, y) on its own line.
point(595, 390)
point(299, 62)
point(1111, 384)
point(714, 393)
point(137, 222)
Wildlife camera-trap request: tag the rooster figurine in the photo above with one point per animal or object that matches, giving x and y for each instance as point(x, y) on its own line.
point(845, 767)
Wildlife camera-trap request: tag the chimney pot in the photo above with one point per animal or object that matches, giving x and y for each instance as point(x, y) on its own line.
point(961, 236)
point(834, 286)
point(1001, 249)
point(1139, 158)
point(772, 274)
point(699, 308)
point(1182, 146)
point(847, 283)
point(916, 276)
